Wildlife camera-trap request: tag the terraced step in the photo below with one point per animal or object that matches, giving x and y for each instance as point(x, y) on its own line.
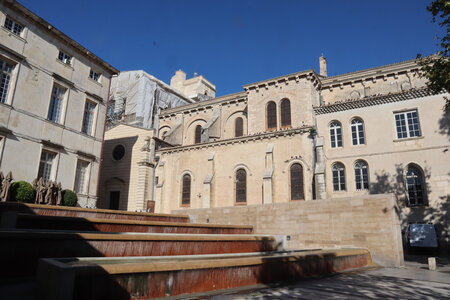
point(145, 277)
point(27, 221)
point(21, 249)
point(65, 211)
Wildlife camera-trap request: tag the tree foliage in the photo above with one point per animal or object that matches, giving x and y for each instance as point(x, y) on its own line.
point(436, 68)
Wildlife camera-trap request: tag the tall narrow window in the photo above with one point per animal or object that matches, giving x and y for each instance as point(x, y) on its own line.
point(336, 135)
point(186, 190)
point(296, 173)
point(56, 103)
point(357, 126)
point(338, 171)
point(88, 117)
point(81, 177)
point(45, 165)
point(407, 124)
point(5, 78)
point(285, 113)
point(198, 134)
point(241, 186)
point(361, 175)
point(238, 127)
point(271, 115)
point(415, 186)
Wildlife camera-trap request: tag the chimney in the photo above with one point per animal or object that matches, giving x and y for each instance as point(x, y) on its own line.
point(177, 80)
point(323, 65)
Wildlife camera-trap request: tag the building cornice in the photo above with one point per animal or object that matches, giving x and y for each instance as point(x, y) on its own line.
point(238, 140)
point(202, 105)
point(308, 74)
point(370, 74)
point(47, 27)
point(372, 101)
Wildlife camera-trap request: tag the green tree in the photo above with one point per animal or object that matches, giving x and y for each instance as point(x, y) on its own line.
point(436, 68)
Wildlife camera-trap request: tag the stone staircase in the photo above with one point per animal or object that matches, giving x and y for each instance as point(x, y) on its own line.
point(75, 253)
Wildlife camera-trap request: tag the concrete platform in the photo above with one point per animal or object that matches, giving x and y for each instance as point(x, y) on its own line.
point(21, 249)
point(29, 221)
point(65, 211)
point(143, 278)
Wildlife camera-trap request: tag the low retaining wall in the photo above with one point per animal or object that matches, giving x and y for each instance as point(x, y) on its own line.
point(367, 221)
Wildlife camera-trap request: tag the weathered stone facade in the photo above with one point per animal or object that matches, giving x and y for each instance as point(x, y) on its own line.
point(373, 131)
point(52, 104)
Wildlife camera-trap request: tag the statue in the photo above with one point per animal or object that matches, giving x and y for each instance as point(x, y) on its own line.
point(35, 188)
point(40, 191)
point(48, 193)
point(4, 196)
point(59, 194)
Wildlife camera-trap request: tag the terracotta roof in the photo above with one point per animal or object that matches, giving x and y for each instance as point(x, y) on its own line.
point(372, 101)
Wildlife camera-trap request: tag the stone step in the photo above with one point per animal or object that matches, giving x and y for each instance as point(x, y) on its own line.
point(65, 211)
point(21, 249)
point(28, 221)
point(144, 277)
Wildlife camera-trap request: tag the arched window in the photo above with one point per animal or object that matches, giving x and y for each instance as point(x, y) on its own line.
point(338, 170)
point(271, 115)
point(336, 134)
point(241, 186)
point(186, 190)
point(296, 173)
point(238, 127)
point(361, 175)
point(198, 134)
point(285, 113)
point(357, 126)
point(415, 185)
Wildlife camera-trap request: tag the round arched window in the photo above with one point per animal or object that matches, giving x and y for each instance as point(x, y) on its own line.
point(118, 152)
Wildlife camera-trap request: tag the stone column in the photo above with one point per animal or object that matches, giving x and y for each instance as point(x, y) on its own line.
point(268, 176)
point(159, 207)
point(319, 171)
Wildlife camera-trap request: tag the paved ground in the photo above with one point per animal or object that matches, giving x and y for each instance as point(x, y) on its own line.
point(414, 281)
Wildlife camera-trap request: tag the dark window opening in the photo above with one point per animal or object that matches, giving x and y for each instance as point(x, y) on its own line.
point(186, 190)
point(238, 127)
point(271, 115)
point(241, 186)
point(198, 134)
point(285, 113)
point(297, 182)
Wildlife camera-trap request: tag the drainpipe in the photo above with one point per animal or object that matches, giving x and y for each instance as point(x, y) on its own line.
point(103, 140)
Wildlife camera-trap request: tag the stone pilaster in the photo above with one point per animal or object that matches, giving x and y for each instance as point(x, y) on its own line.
point(319, 171)
point(207, 183)
point(268, 176)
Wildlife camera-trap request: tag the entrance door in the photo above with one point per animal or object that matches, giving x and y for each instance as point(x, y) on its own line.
point(114, 198)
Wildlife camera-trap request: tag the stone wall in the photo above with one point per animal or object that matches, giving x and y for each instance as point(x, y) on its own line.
point(365, 221)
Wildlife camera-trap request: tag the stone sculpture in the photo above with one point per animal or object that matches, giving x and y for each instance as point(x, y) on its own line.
point(4, 196)
point(41, 189)
point(2, 177)
point(59, 194)
point(48, 193)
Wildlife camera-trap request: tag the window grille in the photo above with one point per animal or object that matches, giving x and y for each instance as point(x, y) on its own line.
point(415, 186)
point(5, 79)
point(285, 113)
point(54, 112)
point(238, 127)
point(241, 186)
point(186, 190)
point(88, 117)
point(271, 115)
point(357, 127)
point(407, 124)
point(336, 135)
point(338, 171)
point(45, 165)
point(81, 177)
point(361, 175)
point(296, 173)
point(13, 26)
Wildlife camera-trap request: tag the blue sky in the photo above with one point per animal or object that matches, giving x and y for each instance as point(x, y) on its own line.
point(233, 43)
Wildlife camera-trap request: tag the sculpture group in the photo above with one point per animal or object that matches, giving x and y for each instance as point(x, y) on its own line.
point(45, 193)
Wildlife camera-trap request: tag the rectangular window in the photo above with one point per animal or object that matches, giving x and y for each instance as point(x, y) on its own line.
point(81, 177)
point(94, 75)
point(5, 79)
point(65, 58)
point(56, 103)
point(407, 124)
point(88, 117)
point(13, 26)
point(45, 165)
